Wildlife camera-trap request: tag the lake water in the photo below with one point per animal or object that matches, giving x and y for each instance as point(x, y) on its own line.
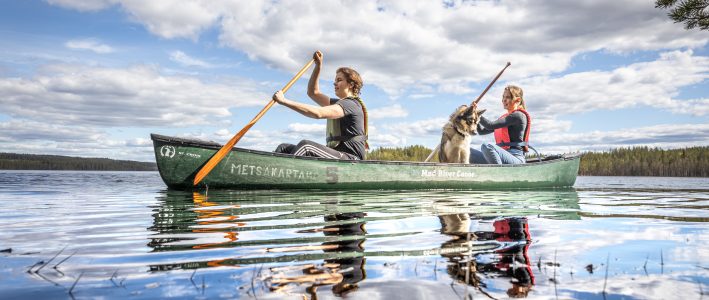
point(118, 235)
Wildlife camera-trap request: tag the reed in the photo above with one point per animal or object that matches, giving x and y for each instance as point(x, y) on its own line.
point(49, 261)
point(71, 290)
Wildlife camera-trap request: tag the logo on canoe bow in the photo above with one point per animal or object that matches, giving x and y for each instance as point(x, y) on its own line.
point(167, 151)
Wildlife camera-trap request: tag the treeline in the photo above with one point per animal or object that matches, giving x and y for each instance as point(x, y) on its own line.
point(636, 161)
point(409, 153)
point(645, 161)
point(12, 161)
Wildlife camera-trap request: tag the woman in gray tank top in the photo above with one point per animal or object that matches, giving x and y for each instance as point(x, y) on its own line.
point(346, 115)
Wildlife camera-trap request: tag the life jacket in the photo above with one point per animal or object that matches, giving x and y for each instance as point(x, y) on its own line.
point(502, 135)
point(512, 229)
point(334, 133)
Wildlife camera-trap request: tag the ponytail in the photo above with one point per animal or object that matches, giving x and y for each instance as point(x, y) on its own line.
point(516, 92)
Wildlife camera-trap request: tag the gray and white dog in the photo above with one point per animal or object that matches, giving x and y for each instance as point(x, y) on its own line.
point(457, 134)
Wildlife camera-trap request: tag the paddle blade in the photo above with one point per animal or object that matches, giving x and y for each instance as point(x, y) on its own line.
point(219, 155)
point(227, 147)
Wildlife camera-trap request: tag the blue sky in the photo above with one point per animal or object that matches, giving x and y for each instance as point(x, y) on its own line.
point(95, 78)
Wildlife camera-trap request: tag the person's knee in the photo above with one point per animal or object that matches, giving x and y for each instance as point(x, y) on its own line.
point(283, 148)
point(490, 153)
point(305, 142)
point(487, 147)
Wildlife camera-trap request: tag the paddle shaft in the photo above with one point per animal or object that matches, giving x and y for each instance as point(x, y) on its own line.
point(227, 147)
point(490, 85)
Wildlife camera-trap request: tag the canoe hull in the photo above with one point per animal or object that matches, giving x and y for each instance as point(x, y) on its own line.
point(179, 160)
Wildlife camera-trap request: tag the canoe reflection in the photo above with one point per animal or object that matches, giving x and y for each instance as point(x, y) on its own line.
point(510, 260)
point(317, 242)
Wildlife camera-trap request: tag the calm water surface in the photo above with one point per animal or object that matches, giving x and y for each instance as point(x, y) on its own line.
point(120, 235)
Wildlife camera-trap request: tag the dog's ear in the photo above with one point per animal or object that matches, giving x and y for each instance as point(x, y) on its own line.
point(458, 111)
point(480, 112)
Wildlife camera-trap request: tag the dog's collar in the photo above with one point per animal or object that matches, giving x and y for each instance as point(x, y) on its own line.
point(458, 131)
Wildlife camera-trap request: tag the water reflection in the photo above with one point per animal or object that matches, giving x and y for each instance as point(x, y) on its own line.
point(374, 245)
point(352, 268)
point(302, 241)
point(210, 213)
point(510, 260)
point(346, 234)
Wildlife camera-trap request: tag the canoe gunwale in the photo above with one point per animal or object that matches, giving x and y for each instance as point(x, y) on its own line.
point(214, 145)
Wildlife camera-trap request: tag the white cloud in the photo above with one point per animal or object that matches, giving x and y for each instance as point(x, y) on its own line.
point(137, 96)
point(553, 136)
point(387, 140)
point(89, 44)
point(165, 18)
point(430, 127)
point(223, 133)
point(696, 107)
point(653, 83)
point(139, 142)
point(32, 137)
point(548, 125)
point(82, 5)
point(16, 131)
point(394, 111)
point(398, 44)
point(663, 136)
point(174, 18)
point(307, 128)
point(415, 48)
point(421, 96)
point(269, 140)
point(22, 136)
point(185, 60)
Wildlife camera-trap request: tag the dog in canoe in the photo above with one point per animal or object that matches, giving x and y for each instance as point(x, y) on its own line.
point(457, 134)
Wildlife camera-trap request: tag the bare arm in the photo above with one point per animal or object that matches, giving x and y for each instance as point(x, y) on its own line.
point(334, 111)
point(313, 85)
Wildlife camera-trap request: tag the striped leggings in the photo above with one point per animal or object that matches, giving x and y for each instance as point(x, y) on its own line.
point(310, 148)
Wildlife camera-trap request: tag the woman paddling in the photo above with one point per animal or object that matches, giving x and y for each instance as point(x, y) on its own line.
point(346, 116)
point(511, 132)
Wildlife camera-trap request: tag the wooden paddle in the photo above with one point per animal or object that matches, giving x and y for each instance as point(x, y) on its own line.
point(474, 103)
point(227, 147)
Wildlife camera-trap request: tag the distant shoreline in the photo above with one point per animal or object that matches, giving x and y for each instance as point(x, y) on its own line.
point(15, 161)
point(634, 161)
point(637, 161)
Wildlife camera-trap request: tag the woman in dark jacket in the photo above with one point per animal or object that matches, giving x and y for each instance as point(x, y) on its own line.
point(511, 132)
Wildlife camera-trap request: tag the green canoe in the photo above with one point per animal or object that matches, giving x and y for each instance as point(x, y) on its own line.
point(179, 160)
